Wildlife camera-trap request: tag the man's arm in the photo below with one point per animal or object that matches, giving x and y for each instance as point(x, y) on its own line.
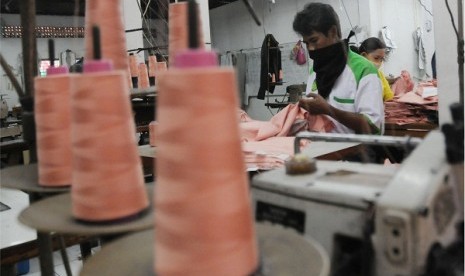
point(316, 104)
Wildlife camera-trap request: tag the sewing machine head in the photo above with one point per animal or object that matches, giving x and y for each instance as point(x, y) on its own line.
point(372, 219)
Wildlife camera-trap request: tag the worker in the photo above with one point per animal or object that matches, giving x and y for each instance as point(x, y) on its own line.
point(374, 50)
point(342, 84)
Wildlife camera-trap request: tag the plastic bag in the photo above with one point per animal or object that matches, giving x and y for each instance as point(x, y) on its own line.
point(298, 53)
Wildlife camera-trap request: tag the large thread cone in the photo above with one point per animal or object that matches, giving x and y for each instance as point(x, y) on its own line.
point(203, 217)
point(108, 181)
point(53, 128)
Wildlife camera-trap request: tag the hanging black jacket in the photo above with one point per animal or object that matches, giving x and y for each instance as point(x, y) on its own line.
point(271, 64)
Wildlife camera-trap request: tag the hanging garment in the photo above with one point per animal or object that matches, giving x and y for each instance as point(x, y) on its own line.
point(271, 68)
point(240, 66)
point(420, 48)
point(387, 38)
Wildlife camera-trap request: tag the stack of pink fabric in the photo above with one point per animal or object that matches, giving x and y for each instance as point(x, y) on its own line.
point(267, 144)
point(413, 106)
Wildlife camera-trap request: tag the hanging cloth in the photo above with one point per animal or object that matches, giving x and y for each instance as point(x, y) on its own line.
point(387, 38)
point(271, 70)
point(420, 48)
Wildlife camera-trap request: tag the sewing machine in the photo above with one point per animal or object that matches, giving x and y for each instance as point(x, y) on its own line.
point(372, 219)
point(9, 127)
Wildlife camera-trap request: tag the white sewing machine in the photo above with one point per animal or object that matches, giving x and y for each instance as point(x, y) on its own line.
point(372, 219)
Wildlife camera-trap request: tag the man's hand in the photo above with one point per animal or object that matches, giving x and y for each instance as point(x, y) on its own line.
point(315, 104)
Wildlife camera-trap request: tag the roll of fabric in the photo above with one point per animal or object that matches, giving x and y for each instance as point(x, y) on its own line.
point(108, 181)
point(108, 16)
point(143, 76)
point(203, 212)
point(53, 129)
point(178, 34)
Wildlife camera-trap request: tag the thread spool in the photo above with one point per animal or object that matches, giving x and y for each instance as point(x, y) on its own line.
point(108, 16)
point(143, 76)
point(108, 183)
point(53, 125)
point(160, 67)
point(153, 133)
point(134, 71)
point(178, 36)
point(108, 179)
point(152, 65)
point(203, 218)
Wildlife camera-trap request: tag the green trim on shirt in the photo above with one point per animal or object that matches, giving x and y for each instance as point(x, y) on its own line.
point(314, 88)
point(344, 101)
point(360, 66)
point(378, 131)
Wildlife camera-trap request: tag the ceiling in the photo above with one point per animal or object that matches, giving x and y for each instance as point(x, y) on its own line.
point(68, 7)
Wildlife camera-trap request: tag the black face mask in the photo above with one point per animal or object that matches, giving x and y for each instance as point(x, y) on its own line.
point(328, 64)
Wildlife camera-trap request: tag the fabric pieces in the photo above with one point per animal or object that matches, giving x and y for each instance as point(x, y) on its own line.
point(415, 106)
point(403, 84)
point(289, 121)
point(267, 144)
point(402, 113)
point(267, 154)
point(270, 153)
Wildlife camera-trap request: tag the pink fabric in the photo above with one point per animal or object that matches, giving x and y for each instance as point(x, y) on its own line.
point(267, 144)
point(287, 122)
point(403, 84)
point(267, 154)
point(270, 153)
point(414, 98)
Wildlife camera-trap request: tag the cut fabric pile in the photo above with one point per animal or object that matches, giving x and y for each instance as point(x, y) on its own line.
point(267, 144)
point(418, 105)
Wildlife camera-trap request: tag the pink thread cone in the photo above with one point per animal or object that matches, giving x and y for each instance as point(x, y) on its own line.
point(108, 181)
point(203, 217)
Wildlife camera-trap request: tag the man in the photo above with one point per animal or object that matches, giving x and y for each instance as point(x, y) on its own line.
point(342, 85)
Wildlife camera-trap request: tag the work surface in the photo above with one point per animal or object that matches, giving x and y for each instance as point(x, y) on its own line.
point(317, 149)
point(11, 231)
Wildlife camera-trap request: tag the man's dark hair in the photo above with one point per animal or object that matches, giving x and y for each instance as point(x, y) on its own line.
point(316, 17)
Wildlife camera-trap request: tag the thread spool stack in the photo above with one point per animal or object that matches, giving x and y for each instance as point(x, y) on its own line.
point(203, 217)
point(133, 70)
point(143, 76)
point(108, 183)
point(152, 68)
point(53, 120)
point(153, 133)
